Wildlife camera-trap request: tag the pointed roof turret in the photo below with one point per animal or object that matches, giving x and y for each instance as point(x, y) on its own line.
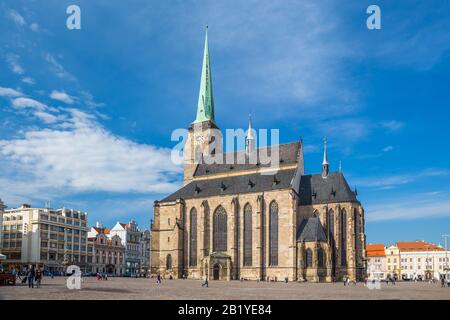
point(250, 143)
point(205, 107)
point(325, 158)
point(325, 166)
point(250, 135)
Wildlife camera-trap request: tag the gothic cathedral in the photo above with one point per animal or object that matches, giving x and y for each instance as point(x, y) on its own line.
point(235, 221)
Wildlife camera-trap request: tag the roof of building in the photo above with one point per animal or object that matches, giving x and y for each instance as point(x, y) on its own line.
point(315, 189)
point(247, 183)
point(375, 250)
point(102, 230)
point(418, 246)
point(311, 229)
point(288, 154)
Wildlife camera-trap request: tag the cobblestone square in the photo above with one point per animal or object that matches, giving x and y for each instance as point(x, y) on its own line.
point(147, 289)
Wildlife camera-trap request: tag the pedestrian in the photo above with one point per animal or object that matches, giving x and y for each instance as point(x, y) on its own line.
point(345, 280)
point(448, 282)
point(38, 277)
point(205, 282)
point(442, 282)
point(30, 276)
point(158, 278)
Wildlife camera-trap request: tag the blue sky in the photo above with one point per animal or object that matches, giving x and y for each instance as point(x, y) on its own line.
point(86, 115)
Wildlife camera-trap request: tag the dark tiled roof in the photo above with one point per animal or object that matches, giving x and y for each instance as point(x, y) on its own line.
point(311, 229)
point(314, 189)
point(247, 183)
point(288, 155)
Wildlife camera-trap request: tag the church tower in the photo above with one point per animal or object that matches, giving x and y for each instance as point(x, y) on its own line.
point(204, 137)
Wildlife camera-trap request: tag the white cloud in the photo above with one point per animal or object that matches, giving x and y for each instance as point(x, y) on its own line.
point(58, 68)
point(17, 18)
point(34, 27)
point(83, 156)
point(28, 80)
point(14, 65)
point(61, 96)
point(346, 129)
point(419, 206)
point(29, 103)
point(8, 92)
point(388, 148)
point(45, 116)
point(391, 181)
point(392, 125)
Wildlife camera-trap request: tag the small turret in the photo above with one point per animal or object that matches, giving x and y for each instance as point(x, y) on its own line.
point(325, 166)
point(250, 144)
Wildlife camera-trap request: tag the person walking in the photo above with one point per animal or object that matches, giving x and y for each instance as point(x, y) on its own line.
point(205, 282)
point(38, 277)
point(442, 282)
point(158, 278)
point(345, 280)
point(30, 276)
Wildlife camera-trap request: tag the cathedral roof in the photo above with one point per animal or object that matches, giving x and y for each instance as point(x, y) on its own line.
point(311, 229)
point(288, 154)
point(246, 183)
point(315, 189)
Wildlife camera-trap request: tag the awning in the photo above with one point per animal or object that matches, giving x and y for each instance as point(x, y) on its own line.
point(2, 257)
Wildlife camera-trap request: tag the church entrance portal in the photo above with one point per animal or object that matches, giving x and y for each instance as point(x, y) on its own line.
point(216, 272)
point(217, 265)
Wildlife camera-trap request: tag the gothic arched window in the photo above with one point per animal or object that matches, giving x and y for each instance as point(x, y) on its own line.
point(331, 225)
point(193, 238)
point(343, 224)
point(356, 230)
point(169, 262)
point(248, 235)
point(273, 234)
point(309, 258)
point(220, 230)
point(320, 258)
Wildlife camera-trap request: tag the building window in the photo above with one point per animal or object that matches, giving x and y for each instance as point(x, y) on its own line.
point(356, 231)
point(320, 258)
point(169, 262)
point(273, 234)
point(220, 230)
point(193, 238)
point(343, 238)
point(248, 235)
point(309, 258)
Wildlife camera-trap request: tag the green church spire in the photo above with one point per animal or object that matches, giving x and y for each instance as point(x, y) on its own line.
point(205, 108)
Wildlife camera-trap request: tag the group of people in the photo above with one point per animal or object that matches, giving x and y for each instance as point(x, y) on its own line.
point(32, 275)
point(102, 276)
point(346, 280)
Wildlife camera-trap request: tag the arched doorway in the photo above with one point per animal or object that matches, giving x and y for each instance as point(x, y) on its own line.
point(216, 272)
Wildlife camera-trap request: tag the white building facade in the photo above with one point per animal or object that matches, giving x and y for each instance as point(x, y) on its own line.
point(108, 252)
point(131, 238)
point(145, 245)
point(49, 238)
point(424, 265)
point(2, 207)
